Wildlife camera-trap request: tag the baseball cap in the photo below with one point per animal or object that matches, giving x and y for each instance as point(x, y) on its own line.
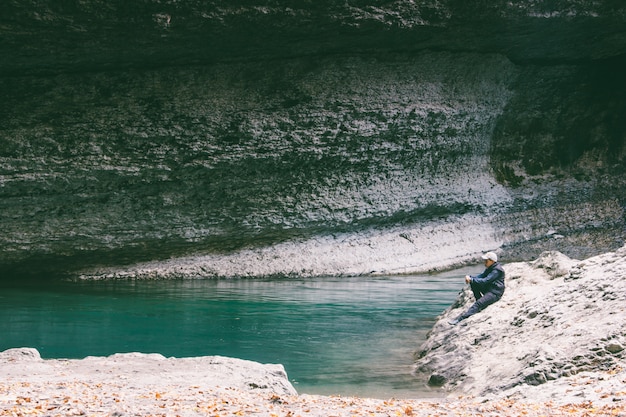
point(490, 255)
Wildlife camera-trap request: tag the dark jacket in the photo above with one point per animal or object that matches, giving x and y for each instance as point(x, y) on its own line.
point(491, 280)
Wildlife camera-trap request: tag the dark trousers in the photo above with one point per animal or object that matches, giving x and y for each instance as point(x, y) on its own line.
point(483, 300)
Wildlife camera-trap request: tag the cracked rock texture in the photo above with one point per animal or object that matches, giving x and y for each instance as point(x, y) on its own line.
point(560, 320)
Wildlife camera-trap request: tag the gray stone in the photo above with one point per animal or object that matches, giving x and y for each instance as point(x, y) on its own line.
point(147, 369)
point(614, 348)
point(569, 329)
point(20, 355)
point(436, 380)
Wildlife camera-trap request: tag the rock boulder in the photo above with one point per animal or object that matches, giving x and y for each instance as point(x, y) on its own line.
point(559, 320)
point(146, 370)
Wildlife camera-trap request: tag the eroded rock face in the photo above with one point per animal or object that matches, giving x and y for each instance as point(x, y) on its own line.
point(41, 36)
point(162, 129)
point(559, 318)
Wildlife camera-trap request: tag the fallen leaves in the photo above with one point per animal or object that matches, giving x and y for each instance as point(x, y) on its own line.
point(107, 399)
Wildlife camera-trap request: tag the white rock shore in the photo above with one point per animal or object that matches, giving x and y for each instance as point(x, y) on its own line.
point(558, 334)
point(553, 346)
point(151, 385)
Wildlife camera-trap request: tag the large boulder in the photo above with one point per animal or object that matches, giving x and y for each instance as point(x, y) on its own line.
point(146, 370)
point(559, 318)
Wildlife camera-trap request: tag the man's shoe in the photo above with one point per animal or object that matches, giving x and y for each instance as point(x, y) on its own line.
point(454, 322)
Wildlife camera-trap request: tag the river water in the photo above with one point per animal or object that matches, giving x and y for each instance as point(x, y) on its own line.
point(346, 336)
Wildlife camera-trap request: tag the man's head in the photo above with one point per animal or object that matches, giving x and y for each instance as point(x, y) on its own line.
point(490, 259)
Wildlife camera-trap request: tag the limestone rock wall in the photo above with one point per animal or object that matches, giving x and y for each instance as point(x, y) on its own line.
point(149, 130)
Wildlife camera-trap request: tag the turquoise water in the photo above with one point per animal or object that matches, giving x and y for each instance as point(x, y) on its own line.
point(345, 336)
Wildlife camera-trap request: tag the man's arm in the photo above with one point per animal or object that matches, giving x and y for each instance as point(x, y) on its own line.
point(488, 279)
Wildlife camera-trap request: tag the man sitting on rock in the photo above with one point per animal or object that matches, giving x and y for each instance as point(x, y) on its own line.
point(487, 287)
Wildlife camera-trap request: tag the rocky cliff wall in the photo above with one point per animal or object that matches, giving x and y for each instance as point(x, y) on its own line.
point(148, 130)
point(51, 36)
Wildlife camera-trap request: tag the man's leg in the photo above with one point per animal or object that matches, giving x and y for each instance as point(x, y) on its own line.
point(477, 290)
point(480, 304)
